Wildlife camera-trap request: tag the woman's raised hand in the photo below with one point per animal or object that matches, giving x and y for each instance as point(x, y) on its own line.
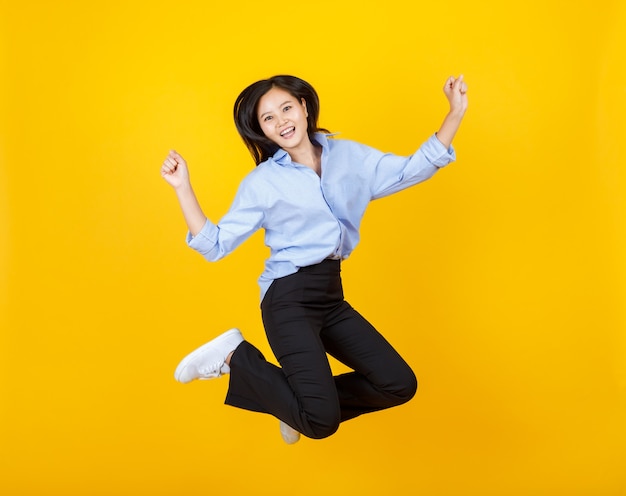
point(174, 170)
point(456, 93)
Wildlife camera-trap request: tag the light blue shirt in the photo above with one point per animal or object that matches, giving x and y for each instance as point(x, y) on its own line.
point(307, 218)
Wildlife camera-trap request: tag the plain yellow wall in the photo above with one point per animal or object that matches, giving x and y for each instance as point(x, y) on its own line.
point(502, 280)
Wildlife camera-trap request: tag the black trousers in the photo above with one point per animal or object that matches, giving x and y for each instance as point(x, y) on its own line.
point(305, 317)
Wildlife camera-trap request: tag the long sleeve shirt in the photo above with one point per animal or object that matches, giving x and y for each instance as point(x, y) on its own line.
point(308, 218)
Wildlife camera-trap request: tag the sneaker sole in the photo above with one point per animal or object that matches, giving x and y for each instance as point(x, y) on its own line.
point(288, 433)
point(185, 361)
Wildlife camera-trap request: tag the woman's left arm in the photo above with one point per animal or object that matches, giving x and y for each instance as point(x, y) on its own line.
point(455, 90)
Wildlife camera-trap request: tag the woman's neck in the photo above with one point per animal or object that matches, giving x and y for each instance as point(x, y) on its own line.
point(310, 156)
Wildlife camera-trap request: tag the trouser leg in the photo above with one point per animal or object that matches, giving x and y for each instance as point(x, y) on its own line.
point(381, 378)
point(302, 391)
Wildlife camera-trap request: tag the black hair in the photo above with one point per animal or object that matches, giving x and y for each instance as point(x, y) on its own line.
point(247, 121)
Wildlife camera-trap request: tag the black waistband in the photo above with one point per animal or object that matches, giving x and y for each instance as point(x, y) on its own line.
point(324, 265)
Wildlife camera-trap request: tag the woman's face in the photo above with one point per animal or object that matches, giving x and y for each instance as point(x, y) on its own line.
point(283, 118)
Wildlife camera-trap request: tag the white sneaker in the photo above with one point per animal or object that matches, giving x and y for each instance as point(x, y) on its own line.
point(289, 434)
point(207, 362)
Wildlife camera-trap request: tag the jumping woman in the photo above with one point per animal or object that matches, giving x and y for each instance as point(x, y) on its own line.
point(308, 192)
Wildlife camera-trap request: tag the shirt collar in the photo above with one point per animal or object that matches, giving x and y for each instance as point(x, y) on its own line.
point(281, 157)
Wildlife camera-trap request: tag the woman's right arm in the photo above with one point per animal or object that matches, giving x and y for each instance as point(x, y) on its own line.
point(174, 171)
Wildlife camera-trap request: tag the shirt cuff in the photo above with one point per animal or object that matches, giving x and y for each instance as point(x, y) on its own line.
point(207, 237)
point(436, 152)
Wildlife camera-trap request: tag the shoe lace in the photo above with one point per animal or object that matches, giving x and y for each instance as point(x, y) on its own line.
point(210, 371)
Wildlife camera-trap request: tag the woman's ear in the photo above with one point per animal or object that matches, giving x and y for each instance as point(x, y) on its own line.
point(304, 106)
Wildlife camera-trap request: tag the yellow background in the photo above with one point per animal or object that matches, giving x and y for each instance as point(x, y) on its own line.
point(502, 280)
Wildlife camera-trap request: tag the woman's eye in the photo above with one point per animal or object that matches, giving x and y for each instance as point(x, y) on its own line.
point(287, 108)
point(267, 118)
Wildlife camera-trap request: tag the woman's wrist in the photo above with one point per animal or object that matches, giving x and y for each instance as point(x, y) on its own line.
point(184, 189)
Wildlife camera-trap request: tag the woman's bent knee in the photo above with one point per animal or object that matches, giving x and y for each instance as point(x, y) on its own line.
point(410, 387)
point(406, 386)
point(322, 428)
point(323, 422)
point(321, 432)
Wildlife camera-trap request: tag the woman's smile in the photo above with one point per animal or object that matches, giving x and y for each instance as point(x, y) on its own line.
point(288, 132)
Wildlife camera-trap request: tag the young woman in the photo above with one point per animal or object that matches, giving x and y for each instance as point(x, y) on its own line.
point(309, 194)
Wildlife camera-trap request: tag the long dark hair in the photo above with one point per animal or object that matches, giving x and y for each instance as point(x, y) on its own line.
point(247, 122)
